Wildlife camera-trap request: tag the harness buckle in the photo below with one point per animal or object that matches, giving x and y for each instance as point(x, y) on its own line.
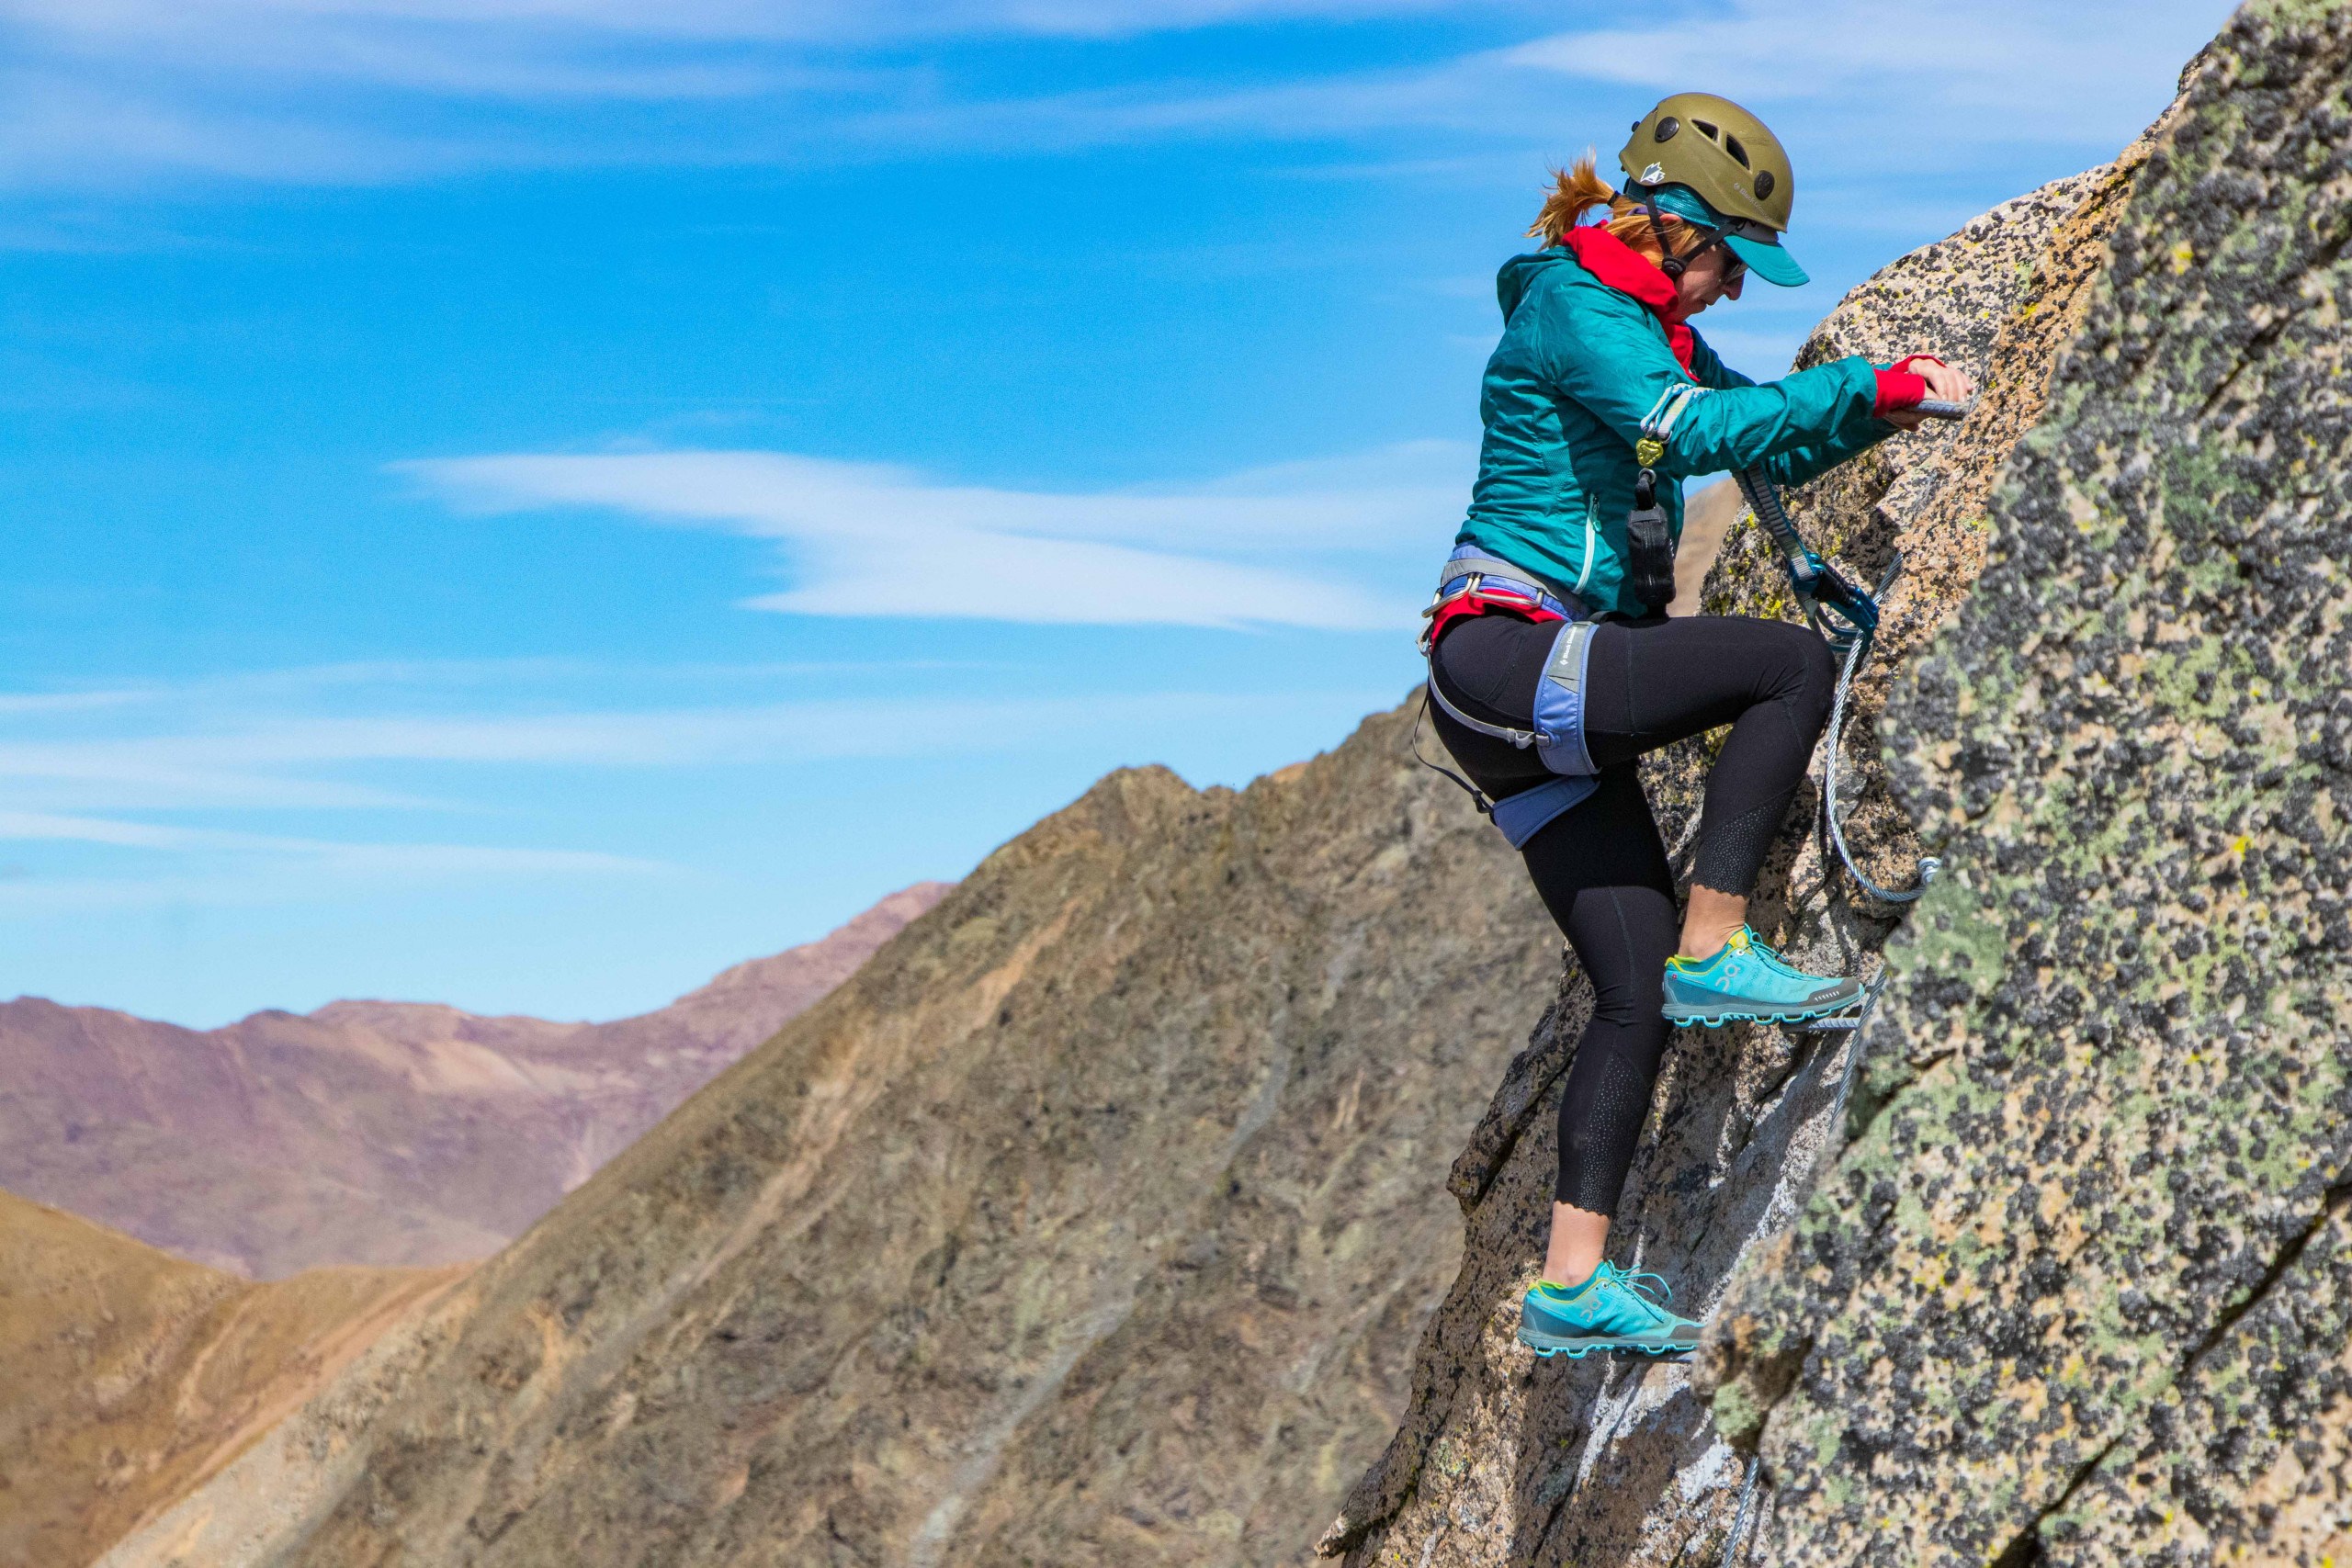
point(1439, 600)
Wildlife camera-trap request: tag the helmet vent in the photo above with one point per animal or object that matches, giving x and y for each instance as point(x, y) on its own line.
point(1732, 146)
point(1709, 131)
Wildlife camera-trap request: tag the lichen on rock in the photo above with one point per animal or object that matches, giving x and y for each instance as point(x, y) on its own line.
point(2078, 1291)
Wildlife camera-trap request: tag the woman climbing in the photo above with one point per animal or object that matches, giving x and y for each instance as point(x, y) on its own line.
point(1554, 666)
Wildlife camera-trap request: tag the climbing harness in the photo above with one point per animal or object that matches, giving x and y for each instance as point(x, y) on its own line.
point(1846, 618)
point(1468, 582)
point(1843, 613)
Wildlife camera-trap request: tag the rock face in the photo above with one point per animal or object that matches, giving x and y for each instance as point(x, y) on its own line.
point(133, 1375)
point(2075, 1283)
point(2081, 1290)
point(1093, 1221)
point(371, 1133)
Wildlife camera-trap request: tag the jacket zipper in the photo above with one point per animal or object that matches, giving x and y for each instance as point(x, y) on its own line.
point(1591, 548)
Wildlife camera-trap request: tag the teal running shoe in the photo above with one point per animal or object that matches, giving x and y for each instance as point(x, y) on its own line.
point(1612, 1310)
point(1749, 982)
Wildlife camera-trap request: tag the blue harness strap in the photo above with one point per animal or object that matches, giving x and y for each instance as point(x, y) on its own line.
point(1522, 816)
point(1559, 703)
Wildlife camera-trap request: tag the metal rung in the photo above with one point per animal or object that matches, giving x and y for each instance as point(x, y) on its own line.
point(1862, 1004)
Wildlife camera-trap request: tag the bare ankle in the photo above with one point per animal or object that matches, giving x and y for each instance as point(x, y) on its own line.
point(1580, 1240)
point(1710, 921)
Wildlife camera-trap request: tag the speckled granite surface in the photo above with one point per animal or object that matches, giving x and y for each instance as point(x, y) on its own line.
point(2079, 1291)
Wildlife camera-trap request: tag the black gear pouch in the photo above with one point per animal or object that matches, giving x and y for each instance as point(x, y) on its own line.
point(1649, 547)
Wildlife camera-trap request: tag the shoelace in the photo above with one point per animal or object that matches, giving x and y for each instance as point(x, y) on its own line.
point(1631, 1281)
point(1771, 958)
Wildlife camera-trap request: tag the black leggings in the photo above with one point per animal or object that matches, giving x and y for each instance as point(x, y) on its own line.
point(1602, 867)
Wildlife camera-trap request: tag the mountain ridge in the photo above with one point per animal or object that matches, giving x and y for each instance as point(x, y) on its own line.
point(1097, 1220)
point(387, 1133)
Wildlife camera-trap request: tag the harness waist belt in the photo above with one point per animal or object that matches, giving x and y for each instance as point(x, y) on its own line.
point(1467, 562)
point(1488, 583)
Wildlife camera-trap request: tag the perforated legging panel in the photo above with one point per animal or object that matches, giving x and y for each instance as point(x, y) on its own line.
point(1731, 852)
point(1600, 868)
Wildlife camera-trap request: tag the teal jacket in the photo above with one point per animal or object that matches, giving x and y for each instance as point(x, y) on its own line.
point(1579, 367)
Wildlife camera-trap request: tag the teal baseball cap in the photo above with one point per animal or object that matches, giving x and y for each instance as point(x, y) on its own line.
point(1752, 243)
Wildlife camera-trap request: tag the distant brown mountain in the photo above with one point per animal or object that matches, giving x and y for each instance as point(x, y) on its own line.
point(387, 1134)
point(133, 1375)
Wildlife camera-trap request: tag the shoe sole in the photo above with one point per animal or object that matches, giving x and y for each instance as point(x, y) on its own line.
point(1609, 1347)
point(1698, 1018)
point(1576, 1350)
point(1689, 1015)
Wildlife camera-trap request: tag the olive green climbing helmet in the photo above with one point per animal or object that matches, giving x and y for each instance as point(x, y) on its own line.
point(1699, 145)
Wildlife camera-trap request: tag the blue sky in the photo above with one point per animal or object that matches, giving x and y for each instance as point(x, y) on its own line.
point(527, 502)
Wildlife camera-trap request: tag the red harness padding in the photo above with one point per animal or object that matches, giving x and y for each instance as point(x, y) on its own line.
point(1471, 605)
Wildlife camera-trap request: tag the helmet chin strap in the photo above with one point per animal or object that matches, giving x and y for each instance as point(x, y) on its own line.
point(1674, 266)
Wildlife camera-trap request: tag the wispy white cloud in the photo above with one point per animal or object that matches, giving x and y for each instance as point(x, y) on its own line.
point(247, 765)
point(369, 89)
point(1893, 87)
point(712, 21)
point(321, 91)
point(157, 864)
point(13, 703)
point(86, 808)
point(1979, 70)
point(52, 787)
point(322, 855)
point(1266, 546)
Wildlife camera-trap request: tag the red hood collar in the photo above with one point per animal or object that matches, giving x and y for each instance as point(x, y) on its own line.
point(1628, 271)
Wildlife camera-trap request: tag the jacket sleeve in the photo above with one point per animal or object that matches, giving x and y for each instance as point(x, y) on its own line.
point(1606, 352)
point(1707, 368)
point(1795, 465)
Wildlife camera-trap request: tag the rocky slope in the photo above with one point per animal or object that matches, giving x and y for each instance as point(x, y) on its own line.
point(374, 1132)
point(2075, 1285)
point(133, 1375)
point(1092, 1221)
